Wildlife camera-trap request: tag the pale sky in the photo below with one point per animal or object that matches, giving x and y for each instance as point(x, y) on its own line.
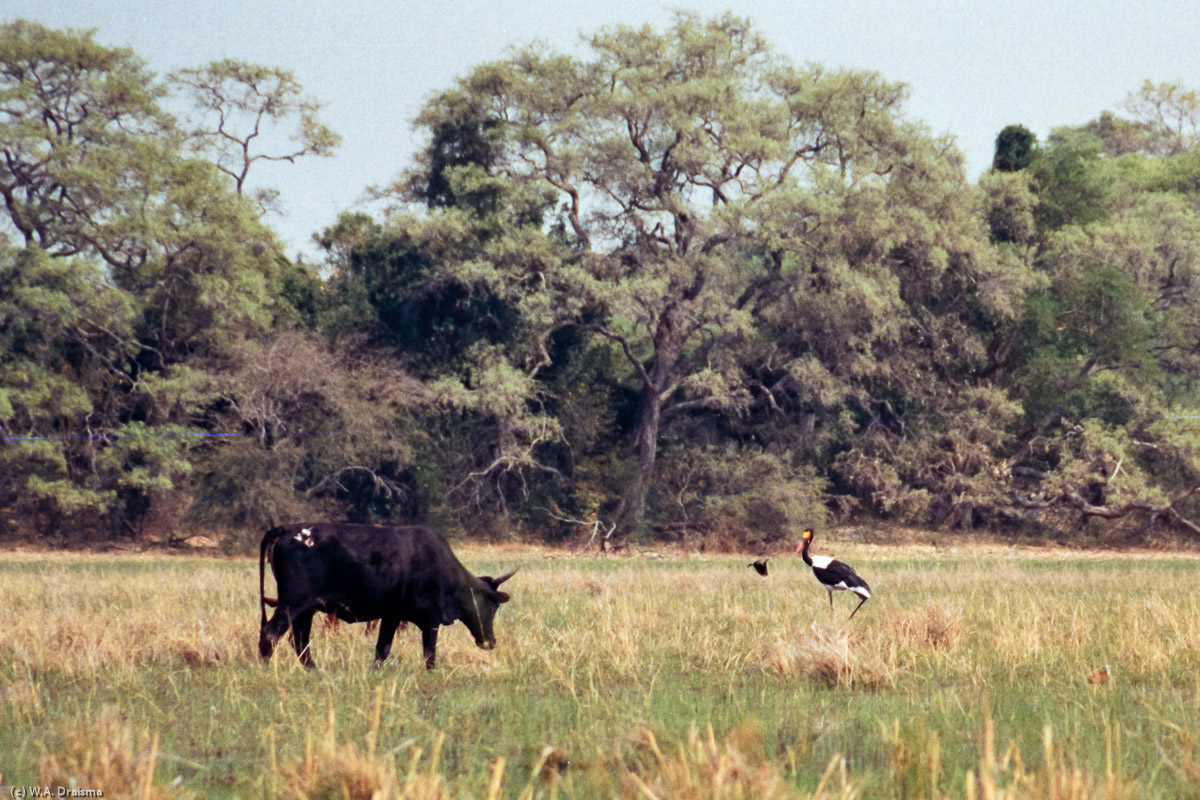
point(972, 66)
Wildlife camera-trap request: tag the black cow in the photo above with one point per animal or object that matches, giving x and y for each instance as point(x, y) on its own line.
point(363, 572)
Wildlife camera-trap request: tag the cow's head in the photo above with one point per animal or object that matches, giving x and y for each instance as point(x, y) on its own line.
point(479, 606)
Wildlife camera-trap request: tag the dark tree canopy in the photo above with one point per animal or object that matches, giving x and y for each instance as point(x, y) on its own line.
point(1016, 147)
point(667, 284)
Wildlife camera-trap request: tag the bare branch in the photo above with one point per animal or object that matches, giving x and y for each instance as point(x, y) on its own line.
point(1069, 496)
point(625, 347)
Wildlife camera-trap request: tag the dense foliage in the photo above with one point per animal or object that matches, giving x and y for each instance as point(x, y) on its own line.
point(676, 286)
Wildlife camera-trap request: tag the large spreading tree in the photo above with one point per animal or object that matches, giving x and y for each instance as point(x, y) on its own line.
point(744, 232)
point(127, 263)
point(135, 285)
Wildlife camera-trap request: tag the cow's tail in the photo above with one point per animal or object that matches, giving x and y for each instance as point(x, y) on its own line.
point(268, 544)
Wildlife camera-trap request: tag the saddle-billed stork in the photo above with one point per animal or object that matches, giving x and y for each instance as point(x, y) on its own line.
point(833, 574)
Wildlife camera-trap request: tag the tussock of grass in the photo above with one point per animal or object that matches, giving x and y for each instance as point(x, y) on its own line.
point(24, 699)
point(339, 771)
point(703, 768)
point(333, 770)
point(105, 754)
point(827, 657)
point(936, 625)
point(1182, 756)
point(915, 768)
point(1060, 776)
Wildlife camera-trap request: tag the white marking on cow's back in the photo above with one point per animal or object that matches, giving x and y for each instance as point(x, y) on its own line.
point(306, 531)
point(821, 562)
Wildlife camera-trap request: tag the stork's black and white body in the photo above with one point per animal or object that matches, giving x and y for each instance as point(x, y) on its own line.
point(833, 574)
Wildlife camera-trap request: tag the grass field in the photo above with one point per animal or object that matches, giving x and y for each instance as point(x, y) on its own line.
point(982, 672)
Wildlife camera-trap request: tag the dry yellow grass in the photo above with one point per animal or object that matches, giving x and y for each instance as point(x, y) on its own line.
point(674, 676)
point(106, 755)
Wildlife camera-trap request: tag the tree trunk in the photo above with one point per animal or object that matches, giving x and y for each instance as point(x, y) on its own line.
point(645, 445)
point(658, 381)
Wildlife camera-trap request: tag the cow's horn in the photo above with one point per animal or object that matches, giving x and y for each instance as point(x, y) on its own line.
point(496, 582)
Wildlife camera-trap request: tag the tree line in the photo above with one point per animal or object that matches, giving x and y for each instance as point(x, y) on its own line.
point(676, 286)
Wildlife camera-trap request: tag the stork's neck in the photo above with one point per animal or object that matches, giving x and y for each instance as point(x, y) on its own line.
point(804, 552)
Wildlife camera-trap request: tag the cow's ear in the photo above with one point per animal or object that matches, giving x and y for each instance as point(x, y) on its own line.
point(503, 596)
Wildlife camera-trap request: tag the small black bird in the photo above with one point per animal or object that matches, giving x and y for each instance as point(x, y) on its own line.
point(833, 574)
point(760, 566)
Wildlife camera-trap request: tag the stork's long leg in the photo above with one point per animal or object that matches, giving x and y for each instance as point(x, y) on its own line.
point(856, 608)
point(830, 591)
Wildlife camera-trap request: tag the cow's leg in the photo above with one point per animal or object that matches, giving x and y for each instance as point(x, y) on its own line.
point(270, 632)
point(301, 628)
point(429, 644)
point(387, 630)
